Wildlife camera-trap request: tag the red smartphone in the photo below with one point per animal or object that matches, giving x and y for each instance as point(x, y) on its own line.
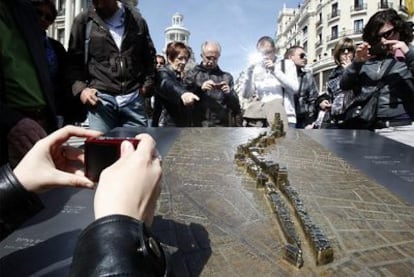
point(101, 152)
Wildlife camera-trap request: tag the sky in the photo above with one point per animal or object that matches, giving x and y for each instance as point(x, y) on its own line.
point(235, 24)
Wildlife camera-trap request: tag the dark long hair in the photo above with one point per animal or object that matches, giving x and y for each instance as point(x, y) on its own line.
point(378, 20)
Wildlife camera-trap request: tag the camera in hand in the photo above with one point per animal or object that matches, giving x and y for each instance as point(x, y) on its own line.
point(102, 152)
point(379, 49)
point(218, 85)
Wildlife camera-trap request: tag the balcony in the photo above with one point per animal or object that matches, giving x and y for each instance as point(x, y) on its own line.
point(359, 8)
point(332, 37)
point(385, 5)
point(333, 15)
point(318, 23)
point(318, 44)
point(357, 31)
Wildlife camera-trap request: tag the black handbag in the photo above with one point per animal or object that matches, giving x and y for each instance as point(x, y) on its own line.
point(361, 113)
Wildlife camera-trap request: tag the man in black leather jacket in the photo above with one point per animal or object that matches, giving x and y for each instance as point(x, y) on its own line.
point(118, 241)
point(218, 100)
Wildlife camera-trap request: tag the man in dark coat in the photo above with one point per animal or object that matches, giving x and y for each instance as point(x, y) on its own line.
point(218, 100)
point(27, 104)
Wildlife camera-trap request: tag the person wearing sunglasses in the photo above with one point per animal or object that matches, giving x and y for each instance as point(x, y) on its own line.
point(333, 102)
point(308, 90)
point(386, 60)
point(269, 87)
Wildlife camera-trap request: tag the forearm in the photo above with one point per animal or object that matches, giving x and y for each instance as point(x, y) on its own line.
point(289, 78)
point(17, 204)
point(120, 246)
point(409, 59)
point(349, 77)
point(289, 82)
point(168, 89)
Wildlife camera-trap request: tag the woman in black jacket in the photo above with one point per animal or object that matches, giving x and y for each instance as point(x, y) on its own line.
point(334, 101)
point(180, 105)
point(384, 65)
point(118, 241)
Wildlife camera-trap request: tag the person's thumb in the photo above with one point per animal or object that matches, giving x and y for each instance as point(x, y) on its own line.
point(126, 148)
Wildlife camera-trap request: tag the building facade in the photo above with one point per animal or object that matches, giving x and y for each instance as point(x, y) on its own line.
point(317, 25)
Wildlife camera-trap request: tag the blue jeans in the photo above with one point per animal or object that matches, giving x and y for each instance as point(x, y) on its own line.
point(108, 114)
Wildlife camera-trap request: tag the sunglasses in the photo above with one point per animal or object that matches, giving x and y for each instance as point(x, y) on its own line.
point(302, 56)
point(386, 34)
point(347, 49)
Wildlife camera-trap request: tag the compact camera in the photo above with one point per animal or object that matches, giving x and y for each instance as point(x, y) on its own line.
point(101, 152)
point(218, 85)
point(379, 49)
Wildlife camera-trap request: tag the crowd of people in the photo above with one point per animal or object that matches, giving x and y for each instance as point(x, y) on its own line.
point(111, 74)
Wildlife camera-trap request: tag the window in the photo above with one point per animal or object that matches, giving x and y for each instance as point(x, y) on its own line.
point(61, 35)
point(61, 7)
point(335, 10)
point(359, 4)
point(384, 4)
point(319, 20)
point(358, 26)
point(334, 32)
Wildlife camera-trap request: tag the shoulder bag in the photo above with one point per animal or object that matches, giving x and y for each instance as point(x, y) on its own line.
point(361, 113)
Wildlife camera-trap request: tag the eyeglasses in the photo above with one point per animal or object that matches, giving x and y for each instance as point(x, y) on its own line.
point(302, 55)
point(45, 15)
point(211, 58)
point(386, 34)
